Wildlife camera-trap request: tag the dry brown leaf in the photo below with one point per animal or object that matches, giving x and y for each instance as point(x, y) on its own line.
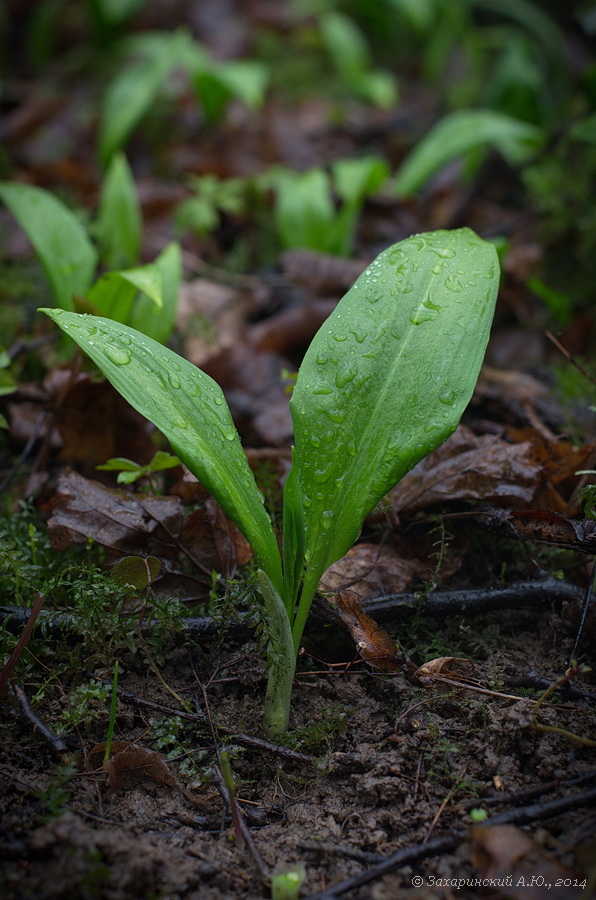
point(468, 467)
point(129, 524)
point(371, 571)
point(507, 853)
point(374, 645)
point(441, 669)
point(130, 765)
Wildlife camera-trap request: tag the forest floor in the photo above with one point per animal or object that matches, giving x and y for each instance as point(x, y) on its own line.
point(461, 764)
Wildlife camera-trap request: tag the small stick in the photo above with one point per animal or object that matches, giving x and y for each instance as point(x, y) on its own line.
point(409, 855)
point(57, 745)
point(22, 642)
point(246, 739)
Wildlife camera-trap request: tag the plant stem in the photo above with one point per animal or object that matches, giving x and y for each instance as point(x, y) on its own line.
point(281, 660)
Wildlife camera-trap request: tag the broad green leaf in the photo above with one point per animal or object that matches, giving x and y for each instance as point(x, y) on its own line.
point(386, 380)
point(113, 294)
point(190, 409)
point(119, 224)
point(157, 322)
point(355, 179)
point(459, 133)
point(304, 209)
point(59, 239)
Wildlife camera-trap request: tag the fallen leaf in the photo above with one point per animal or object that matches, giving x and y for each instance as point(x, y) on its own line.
point(374, 645)
point(130, 765)
point(468, 467)
point(134, 524)
point(371, 571)
point(441, 669)
point(507, 853)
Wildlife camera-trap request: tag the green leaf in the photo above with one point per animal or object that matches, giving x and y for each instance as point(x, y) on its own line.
point(59, 239)
point(386, 380)
point(293, 540)
point(130, 471)
point(458, 134)
point(157, 322)
point(190, 409)
point(136, 572)
point(118, 226)
point(304, 210)
point(113, 294)
point(130, 96)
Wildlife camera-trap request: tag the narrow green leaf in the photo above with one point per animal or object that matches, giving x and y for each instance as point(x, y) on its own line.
point(459, 133)
point(190, 409)
point(157, 322)
point(293, 540)
point(68, 257)
point(118, 226)
point(113, 294)
point(128, 98)
point(386, 380)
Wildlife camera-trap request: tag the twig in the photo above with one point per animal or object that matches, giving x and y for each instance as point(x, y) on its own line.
point(584, 613)
point(246, 739)
point(55, 742)
point(409, 855)
point(22, 642)
point(569, 355)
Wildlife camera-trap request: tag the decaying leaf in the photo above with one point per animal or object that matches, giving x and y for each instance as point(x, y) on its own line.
point(443, 669)
point(133, 524)
point(130, 765)
point(371, 571)
point(542, 527)
point(470, 467)
point(507, 853)
point(374, 645)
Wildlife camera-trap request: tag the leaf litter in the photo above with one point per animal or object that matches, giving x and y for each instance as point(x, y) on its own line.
point(484, 508)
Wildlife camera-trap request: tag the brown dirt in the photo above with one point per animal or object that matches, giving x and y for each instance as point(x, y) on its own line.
point(394, 765)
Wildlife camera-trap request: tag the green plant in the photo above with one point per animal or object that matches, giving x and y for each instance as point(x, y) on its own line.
point(70, 258)
point(129, 471)
point(348, 49)
point(306, 214)
point(212, 196)
point(151, 61)
point(385, 380)
point(460, 134)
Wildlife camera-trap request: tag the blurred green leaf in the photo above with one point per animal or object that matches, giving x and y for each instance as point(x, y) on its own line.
point(118, 226)
point(459, 133)
point(59, 239)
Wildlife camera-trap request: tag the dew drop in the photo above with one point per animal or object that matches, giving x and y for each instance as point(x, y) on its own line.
point(179, 422)
point(218, 400)
point(174, 380)
point(120, 356)
point(448, 398)
point(327, 519)
point(454, 285)
point(344, 378)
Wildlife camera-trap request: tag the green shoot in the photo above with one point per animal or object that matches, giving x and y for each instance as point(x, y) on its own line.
point(385, 381)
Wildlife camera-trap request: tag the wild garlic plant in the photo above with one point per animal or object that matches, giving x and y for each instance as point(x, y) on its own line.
point(385, 381)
